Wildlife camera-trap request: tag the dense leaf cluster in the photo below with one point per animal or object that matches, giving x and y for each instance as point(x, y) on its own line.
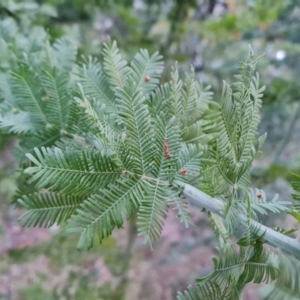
point(100, 141)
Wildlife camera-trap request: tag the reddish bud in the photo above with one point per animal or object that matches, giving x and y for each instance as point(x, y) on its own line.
point(184, 172)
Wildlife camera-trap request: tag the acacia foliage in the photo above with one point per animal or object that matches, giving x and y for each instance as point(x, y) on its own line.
point(100, 142)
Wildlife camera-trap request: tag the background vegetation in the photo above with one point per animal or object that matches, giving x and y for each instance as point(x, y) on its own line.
point(213, 35)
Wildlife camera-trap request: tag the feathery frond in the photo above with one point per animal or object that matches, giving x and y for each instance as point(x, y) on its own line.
point(95, 84)
point(232, 271)
point(101, 212)
point(160, 100)
point(116, 68)
point(260, 204)
point(137, 121)
point(287, 285)
point(189, 294)
point(29, 94)
point(190, 160)
point(152, 211)
point(146, 70)
point(63, 55)
point(72, 172)
point(177, 108)
point(235, 120)
point(46, 209)
point(232, 124)
point(57, 97)
point(18, 123)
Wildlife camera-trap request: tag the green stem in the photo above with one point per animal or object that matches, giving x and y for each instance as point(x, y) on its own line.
point(272, 237)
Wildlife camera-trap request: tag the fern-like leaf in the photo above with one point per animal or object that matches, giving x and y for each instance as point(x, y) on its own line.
point(116, 67)
point(72, 172)
point(19, 123)
point(137, 120)
point(146, 70)
point(190, 160)
point(189, 294)
point(27, 90)
point(95, 84)
point(57, 97)
point(63, 55)
point(233, 270)
point(101, 212)
point(47, 209)
point(287, 285)
point(177, 108)
point(152, 212)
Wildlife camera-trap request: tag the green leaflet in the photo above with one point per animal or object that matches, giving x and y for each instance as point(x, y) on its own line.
point(101, 212)
point(63, 54)
point(116, 68)
point(287, 285)
point(146, 70)
point(137, 120)
point(29, 94)
point(72, 172)
point(57, 97)
point(47, 209)
point(233, 271)
point(95, 83)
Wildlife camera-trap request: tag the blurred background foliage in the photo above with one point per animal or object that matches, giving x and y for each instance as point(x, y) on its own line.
point(212, 35)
